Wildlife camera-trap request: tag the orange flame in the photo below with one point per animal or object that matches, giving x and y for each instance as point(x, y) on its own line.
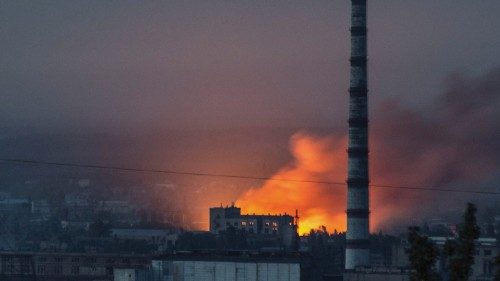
point(315, 158)
point(324, 159)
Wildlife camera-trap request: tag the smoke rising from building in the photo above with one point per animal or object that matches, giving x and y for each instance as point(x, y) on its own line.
point(407, 149)
point(316, 158)
point(220, 65)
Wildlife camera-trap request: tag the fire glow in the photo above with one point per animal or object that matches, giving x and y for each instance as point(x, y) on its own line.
point(316, 159)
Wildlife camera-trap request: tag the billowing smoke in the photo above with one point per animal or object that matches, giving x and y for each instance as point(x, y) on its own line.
point(456, 145)
point(315, 159)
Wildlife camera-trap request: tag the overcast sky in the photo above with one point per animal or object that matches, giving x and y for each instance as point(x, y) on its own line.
point(130, 65)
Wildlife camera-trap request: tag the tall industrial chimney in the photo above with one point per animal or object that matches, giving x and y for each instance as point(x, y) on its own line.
point(357, 244)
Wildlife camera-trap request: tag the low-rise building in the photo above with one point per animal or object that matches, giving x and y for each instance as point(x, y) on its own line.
point(23, 266)
point(163, 237)
point(211, 267)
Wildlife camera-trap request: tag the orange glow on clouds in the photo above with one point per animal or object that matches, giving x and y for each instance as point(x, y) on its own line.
point(315, 158)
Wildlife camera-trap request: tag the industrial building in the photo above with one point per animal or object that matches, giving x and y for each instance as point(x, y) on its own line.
point(27, 266)
point(279, 226)
point(212, 267)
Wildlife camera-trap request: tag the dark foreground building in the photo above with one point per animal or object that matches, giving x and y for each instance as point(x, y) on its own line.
point(65, 266)
point(211, 266)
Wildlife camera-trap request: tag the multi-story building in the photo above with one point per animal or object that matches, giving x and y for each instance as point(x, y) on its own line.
point(283, 226)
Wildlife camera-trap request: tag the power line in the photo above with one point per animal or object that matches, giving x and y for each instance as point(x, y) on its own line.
point(199, 174)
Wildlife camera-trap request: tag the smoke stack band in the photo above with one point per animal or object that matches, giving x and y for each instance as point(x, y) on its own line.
point(357, 244)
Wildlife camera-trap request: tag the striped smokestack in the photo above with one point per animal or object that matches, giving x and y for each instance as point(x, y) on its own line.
point(357, 244)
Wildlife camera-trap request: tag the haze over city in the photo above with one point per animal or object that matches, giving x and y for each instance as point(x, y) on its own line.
point(245, 103)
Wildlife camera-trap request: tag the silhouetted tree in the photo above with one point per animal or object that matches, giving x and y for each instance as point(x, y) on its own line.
point(461, 253)
point(327, 252)
point(423, 255)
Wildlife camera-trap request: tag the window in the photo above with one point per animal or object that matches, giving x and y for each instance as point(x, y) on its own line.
point(58, 270)
point(243, 223)
point(75, 270)
point(25, 266)
point(267, 223)
point(275, 224)
point(487, 268)
point(250, 223)
point(41, 269)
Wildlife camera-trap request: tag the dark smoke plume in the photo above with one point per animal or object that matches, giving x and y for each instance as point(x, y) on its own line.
point(455, 144)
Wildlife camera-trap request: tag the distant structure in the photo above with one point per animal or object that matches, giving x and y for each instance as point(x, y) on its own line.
point(357, 244)
point(280, 226)
point(483, 268)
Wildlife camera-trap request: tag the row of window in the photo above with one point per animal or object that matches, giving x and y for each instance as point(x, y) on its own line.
point(486, 252)
point(86, 260)
point(251, 223)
